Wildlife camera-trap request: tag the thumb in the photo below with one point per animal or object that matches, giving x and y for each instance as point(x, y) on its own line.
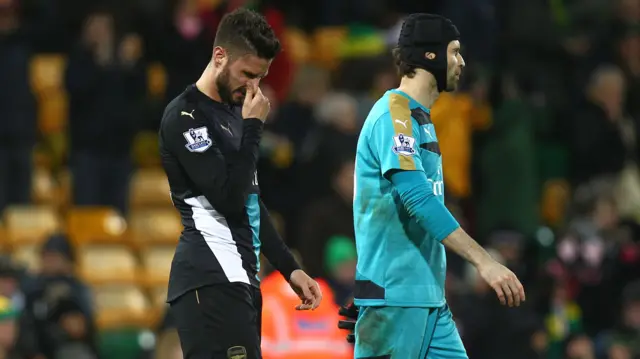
point(306, 297)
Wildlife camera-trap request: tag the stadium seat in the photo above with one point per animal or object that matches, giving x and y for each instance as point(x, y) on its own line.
point(47, 72)
point(298, 45)
point(56, 148)
point(153, 226)
point(327, 44)
point(145, 150)
point(156, 80)
point(208, 4)
point(53, 112)
point(64, 179)
point(156, 263)
point(556, 195)
point(149, 188)
point(28, 255)
point(95, 224)
point(30, 224)
point(107, 264)
point(44, 189)
point(4, 241)
point(159, 297)
point(121, 306)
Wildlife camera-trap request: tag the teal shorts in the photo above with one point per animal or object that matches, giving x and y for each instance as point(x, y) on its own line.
point(407, 333)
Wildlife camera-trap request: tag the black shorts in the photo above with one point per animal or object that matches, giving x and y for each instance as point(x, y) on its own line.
point(221, 321)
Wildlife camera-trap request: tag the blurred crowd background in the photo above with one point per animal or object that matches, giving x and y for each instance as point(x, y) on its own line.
point(540, 146)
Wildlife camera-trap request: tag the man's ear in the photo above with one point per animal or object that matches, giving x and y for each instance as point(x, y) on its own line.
point(220, 56)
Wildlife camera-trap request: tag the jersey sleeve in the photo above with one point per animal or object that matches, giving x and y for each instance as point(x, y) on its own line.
point(274, 247)
point(395, 142)
point(420, 201)
point(224, 180)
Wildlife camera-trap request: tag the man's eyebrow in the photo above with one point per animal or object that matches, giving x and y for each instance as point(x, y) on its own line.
point(256, 75)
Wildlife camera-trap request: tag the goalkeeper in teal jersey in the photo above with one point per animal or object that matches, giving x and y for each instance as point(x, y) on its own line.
point(401, 223)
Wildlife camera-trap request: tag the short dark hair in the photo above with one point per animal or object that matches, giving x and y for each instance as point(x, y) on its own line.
point(244, 31)
point(403, 68)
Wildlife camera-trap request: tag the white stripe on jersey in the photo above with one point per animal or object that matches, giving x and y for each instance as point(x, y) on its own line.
point(215, 230)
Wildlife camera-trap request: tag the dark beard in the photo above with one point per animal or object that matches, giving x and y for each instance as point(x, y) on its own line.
point(451, 84)
point(224, 90)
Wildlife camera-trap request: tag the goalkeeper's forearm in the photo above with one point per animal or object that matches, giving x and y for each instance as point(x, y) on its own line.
point(461, 243)
point(418, 198)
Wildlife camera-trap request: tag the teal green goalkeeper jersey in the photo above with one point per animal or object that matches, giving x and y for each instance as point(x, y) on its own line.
point(399, 263)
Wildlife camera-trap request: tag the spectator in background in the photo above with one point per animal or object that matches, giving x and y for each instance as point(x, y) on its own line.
point(488, 331)
point(508, 174)
point(624, 341)
point(282, 178)
point(58, 315)
point(18, 126)
point(184, 46)
point(106, 81)
point(58, 261)
point(277, 163)
point(589, 254)
point(579, 347)
point(8, 330)
point(619, 351)
point(327, 217)
point(340, 261)
point(478, 21)
point(457, 115)
point(629, 60)
point(628, 12)
point(293, 334)
point(296, 116)
point(596, 143)
point(168, 343)
point(10, 282)
point(564, 318)
point(604, 139)
point(335, 136)
point(384, 79)
point(628, 186)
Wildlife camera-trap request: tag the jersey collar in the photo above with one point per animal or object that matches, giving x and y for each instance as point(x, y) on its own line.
point(412, 103)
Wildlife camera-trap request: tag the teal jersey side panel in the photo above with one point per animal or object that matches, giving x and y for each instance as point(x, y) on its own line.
point(399, 264)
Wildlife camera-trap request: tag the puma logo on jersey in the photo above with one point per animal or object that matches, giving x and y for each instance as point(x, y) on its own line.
point(403, 123)
point(185, 113)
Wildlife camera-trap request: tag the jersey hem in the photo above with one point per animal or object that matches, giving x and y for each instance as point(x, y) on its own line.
point(173, 296)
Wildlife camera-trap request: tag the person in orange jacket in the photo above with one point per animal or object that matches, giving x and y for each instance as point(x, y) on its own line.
point(292, 334)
